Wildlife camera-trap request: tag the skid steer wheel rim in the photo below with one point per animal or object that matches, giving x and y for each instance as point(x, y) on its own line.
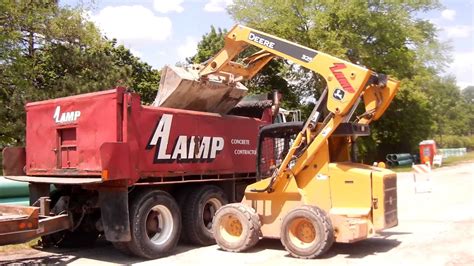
point(159, 224)
point(231, 228)
point(302, 233)
point(210, 208)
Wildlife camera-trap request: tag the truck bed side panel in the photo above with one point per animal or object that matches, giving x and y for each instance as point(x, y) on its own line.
point(197, 143)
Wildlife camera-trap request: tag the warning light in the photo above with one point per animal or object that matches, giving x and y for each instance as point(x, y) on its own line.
point(105, 174)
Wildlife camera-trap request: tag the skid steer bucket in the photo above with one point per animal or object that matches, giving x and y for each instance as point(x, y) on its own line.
point(182, 88)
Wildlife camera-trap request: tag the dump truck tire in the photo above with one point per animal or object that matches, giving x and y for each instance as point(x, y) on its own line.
point(307, 232)
point(236, 227)
point(155, 224)
point(198, 211)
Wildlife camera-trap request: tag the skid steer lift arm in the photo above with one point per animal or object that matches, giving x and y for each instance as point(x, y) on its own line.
point(347, 83)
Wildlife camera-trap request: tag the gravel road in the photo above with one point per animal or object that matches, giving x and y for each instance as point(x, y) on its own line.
point(435, 228)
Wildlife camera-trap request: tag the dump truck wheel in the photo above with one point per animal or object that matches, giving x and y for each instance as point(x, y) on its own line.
point(307, 232)
point(199, 210)
point(155, 224)
point(236, 227)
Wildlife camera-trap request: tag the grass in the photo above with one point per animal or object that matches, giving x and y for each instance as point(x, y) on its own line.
point(401, 169)
point(22, 246)
point(468, 157)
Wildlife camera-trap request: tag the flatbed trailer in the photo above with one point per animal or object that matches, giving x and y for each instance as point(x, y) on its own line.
point(20, 224)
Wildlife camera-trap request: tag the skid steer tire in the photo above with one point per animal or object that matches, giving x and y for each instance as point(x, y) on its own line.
point(155, 222)
point(236, 227)
point(198, 211)
point(307, 232)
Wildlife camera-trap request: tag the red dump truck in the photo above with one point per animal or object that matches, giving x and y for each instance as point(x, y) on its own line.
point(142, 176)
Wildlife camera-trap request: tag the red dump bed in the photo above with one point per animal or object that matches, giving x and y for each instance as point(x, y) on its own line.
point(110, 134)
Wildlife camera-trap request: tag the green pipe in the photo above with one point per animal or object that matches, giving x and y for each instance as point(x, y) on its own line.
point(401, 156)
point(23, 201)
point(404, 162)
point(10, 188)
point(14, 189)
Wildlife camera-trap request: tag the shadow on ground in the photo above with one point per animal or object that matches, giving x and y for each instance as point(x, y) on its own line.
point(100, 251)
point(41, 259)
point(104, 251)
point(361, 249)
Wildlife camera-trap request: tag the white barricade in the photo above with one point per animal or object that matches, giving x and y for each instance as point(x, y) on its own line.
point(422, 178)
point(438, 160)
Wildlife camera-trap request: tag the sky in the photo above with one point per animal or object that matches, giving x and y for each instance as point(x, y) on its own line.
point(164, 32)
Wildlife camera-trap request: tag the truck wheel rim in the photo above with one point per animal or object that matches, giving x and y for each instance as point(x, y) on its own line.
point(210, 208)
point(231, 228)
point(302, 233)
point(159, 224)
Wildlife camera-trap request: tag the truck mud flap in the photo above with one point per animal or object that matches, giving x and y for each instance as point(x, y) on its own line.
point(13, 160)
point(114, 211)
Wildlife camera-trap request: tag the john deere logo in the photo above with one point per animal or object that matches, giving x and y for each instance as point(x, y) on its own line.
point(338, 94)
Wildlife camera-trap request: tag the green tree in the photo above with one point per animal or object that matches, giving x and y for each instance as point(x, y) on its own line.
point(141, 77)
point(405, 123)
point(448, 108)
point(49, 51)
point(468, 96)
point(209, 45)
point(270, 77)
point(386, 36)
point(31, 33)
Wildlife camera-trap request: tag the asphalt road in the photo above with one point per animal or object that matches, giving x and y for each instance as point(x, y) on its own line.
point(435, 228)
